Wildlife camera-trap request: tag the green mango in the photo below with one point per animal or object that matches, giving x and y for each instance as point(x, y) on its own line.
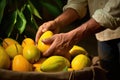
point(54, 64)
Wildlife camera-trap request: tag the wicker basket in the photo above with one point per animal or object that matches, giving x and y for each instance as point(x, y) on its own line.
point(88, 73)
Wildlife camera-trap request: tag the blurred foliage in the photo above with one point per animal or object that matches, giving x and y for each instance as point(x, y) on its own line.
point(23, 17)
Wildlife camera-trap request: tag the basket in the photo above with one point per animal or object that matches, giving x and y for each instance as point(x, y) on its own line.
point(88, 73)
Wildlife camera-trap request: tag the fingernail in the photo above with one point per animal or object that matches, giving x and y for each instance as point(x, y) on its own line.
point(44, 30)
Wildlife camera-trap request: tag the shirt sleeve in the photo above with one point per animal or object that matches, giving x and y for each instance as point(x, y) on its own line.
point(109, 16)
point(80, 6)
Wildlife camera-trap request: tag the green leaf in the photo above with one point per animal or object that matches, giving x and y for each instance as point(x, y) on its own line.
point(10, 24)
point(33, 22)
point(30, 18)
point(51, 8)
point(33, 10)
point(21, 21)
point(2, 6)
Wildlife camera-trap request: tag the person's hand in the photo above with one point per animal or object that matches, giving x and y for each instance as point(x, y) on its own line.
point(50, 25)
point(60, 44)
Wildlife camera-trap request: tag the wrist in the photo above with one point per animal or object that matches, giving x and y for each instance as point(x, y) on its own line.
point(75, 36)
point(86, 29)
point(93, 26)
point(58, 23)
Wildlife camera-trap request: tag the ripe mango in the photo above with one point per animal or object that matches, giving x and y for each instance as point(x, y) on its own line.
point(41, 46)
point(38, 64)
point(8, 41)
point(54, 64)
point(27, 41)
point(19, 63)
point(80, 61)
point(31, 53)
point(14, 49)
point(4, 59)
point(75, 50)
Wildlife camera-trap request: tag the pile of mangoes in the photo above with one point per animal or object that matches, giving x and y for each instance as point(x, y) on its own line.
point(27, 56)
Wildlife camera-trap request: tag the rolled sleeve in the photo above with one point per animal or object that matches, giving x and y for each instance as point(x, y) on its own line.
point(80, 6)
point(109, 16)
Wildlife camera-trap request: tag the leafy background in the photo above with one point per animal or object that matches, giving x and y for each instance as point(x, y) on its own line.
point(20, 18)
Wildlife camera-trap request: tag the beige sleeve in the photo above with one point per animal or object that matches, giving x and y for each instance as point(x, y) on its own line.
point(109, 16)
point(79, 5)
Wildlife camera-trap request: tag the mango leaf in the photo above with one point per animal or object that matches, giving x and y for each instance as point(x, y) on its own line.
point(11, 23)
point(33, 22)
point(2, 6)
point(21, 21)
point(51, 8)
point(34, 10)
point(30, 18)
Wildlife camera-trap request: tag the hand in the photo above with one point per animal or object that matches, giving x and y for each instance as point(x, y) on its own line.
point(60, 44)
point(50, 25)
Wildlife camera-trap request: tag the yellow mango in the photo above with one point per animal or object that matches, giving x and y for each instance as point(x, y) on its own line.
point(13, 50)
point(21, 64)
point(41, 46)
point(8, 41)
point(80, 61)
point(4, 59)
point(54, 64)
point(75, 50)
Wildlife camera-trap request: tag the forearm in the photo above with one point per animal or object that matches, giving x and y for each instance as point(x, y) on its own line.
point(88, 28)
point(67, 17)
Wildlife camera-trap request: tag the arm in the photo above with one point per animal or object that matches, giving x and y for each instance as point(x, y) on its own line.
point(63, 42)
point(86, 29)
point(73, 10)
point(67, 17)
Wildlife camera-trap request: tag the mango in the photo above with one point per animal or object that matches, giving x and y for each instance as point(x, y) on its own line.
point(14, 49)
point(37, 65)
point(80, 61)
point(8, 41)
point(21, 64)
point(4, 59)
point(31, 53)
point(75, 50)
point(27, 41)
point(54, 63)
point(41, 46)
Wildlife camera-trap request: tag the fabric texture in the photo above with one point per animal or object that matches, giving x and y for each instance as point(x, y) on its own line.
point(109, 52)
point(105, 12)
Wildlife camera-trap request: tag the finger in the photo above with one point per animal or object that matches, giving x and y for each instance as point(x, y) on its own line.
point(40, 31)
point(48, 40)
point(38, 34)
point(51, 50)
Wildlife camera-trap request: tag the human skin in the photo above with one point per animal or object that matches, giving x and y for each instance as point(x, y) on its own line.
point(61, 43)
point(63, 20)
